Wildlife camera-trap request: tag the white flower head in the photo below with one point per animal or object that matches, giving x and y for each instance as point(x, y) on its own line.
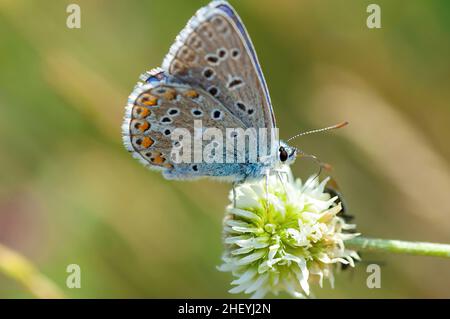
point(284, 239)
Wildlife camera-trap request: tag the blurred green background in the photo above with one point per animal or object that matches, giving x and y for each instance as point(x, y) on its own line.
point(71, 194)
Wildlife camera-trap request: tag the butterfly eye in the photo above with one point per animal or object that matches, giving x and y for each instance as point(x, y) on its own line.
point(283, 154)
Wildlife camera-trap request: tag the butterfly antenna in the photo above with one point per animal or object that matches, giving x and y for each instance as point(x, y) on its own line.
point(321, 164)
point(329, 128)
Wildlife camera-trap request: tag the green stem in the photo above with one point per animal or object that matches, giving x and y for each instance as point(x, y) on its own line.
point(399, 247)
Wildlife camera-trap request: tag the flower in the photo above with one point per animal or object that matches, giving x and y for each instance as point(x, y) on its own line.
point(283, 236)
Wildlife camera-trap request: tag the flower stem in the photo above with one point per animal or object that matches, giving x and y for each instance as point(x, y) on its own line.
point(23, 271)
point(399, 247)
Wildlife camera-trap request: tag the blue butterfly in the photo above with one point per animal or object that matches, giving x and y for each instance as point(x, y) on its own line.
point(212, 74)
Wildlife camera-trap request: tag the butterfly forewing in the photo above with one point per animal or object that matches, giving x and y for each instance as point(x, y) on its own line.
point(215, 53)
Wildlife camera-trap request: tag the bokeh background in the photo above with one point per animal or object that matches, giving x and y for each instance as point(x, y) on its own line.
point(71, 194)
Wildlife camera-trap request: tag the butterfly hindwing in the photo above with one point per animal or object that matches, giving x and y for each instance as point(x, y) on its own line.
point(157, 108)
point(215, 53)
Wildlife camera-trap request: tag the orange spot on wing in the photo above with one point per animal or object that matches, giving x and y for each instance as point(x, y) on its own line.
point(140, 125)
point(141, 112)
point(147, 142)
point(148, 99)
point(193, 94)
point(144, 126)
point(158, 160)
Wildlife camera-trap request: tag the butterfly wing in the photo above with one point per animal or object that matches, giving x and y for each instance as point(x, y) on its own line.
point(215, 53)
point(211, 67)
point(160, 106)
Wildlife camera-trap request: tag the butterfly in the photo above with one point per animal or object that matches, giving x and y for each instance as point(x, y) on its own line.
point(211, 74)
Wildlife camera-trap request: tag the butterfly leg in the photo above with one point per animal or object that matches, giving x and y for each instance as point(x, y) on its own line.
point(280, 177)
point(267, 188)
point(234, 193)
point(280, 174)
